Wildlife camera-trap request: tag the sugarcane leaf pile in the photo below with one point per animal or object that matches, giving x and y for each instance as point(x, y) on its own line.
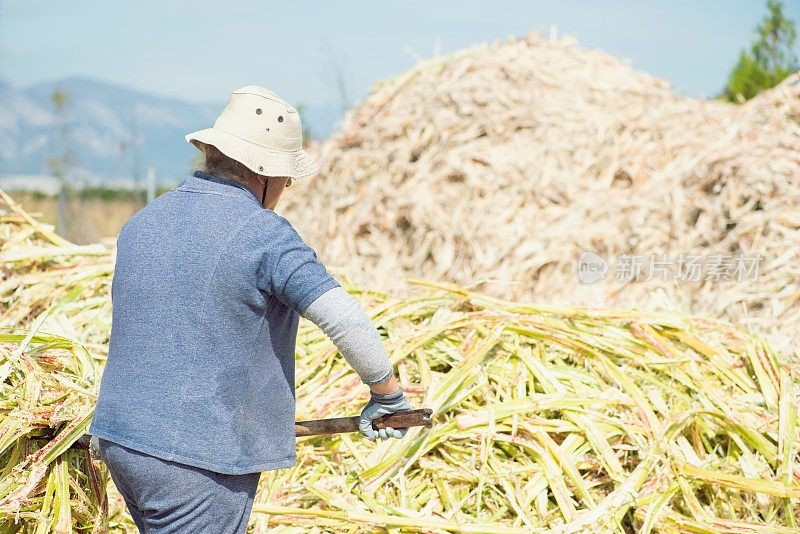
point(505, 161)
point(48, 387)
point(546, 418)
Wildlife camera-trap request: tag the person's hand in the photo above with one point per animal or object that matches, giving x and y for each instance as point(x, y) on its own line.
point(382, 404)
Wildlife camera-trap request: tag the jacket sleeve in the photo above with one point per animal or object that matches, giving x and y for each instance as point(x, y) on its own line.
point(289, 268)
point(347, 324)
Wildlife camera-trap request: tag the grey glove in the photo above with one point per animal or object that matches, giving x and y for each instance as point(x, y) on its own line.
point(382, 404)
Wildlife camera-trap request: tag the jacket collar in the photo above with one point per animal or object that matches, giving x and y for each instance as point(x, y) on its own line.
point(201, 182)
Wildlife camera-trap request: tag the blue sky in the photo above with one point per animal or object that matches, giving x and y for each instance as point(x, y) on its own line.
point(200, 50)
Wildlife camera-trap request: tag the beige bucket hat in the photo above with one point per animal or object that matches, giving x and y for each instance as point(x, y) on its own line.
point(262, 131)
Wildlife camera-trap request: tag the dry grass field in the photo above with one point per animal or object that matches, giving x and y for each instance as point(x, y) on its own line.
point(88, 220)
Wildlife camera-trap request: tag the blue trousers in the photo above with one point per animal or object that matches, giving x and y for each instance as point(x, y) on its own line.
point(170, 497)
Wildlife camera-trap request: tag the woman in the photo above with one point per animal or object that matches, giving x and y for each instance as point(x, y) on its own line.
point(197, 396)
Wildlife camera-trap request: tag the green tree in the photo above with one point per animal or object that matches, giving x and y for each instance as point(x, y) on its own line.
point(770, 58)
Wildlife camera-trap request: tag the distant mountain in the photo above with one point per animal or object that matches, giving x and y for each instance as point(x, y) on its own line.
point(102, 122)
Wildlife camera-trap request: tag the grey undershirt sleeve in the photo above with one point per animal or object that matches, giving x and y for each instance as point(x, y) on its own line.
point(346, 323)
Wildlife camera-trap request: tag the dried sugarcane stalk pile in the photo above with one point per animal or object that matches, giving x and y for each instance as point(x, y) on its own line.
point(547, 419)
point(502, 163)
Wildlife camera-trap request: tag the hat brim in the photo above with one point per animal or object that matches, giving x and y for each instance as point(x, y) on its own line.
point(267, 162)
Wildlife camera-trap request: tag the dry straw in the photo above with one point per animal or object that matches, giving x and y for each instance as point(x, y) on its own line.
point(505, 162)
point(548, 419)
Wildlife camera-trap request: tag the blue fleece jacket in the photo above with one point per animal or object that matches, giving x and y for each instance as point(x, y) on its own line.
point(206, 297)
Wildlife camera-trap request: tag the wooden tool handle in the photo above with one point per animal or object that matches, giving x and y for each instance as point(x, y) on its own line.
point(334, 425)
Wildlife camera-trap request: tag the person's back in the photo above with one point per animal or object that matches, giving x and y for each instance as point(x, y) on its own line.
point(196, 333)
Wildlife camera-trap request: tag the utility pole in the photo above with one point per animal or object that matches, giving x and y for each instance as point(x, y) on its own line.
point(1, 34)
point(151, 184)
point(122, 165)
point(338, 71)
point(136, 161)
point(59, 165)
